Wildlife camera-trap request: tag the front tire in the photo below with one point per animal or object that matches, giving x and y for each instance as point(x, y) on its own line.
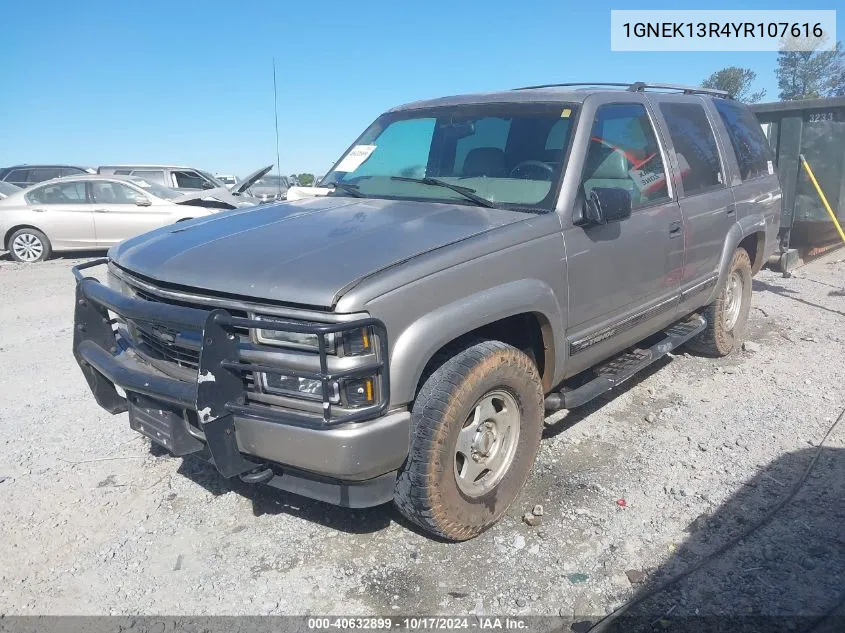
point(476, 426)
point(727, 315)
point(29, 245)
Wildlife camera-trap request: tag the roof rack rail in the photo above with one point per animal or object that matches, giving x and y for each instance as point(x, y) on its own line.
point(637, 86)
point(641, 86)
point(577, 83)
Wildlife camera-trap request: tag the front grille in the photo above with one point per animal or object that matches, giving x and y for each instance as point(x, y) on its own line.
point(151, 345)
point(166, 344)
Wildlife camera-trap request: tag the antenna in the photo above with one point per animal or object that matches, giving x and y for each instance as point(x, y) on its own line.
point(276, 114)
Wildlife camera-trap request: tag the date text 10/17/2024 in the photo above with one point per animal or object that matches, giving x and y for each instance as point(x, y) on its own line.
point(420, 623)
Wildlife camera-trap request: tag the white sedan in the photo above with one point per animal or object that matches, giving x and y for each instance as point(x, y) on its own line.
point(91, 212)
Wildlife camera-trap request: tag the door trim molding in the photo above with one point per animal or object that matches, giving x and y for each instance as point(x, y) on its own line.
point(578, 345)
point(700, 286)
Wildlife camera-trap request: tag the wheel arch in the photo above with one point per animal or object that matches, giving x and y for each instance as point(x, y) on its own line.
point(8, 235)
point(522, 313)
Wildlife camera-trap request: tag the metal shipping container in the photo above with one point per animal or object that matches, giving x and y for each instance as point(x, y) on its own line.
point(815, 128)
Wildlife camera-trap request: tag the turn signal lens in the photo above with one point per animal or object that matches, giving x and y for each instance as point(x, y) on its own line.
point(357, 341)
point(360, 392)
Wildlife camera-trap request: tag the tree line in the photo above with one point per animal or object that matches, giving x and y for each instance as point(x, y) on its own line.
point(800, 75)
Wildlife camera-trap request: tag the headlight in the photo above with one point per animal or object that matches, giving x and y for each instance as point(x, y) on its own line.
point(352, 342)
point(298, 387)
point(294, 340)
point(357, 341)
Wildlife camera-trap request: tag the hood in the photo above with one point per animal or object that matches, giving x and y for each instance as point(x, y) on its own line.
point(220, 195)
point(306, 252)
point(250, 180)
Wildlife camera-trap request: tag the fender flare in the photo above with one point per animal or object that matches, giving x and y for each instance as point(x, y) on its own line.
point(736, 234)
point(418, 343)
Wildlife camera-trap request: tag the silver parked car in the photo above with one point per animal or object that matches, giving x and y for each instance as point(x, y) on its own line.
point(88, 212)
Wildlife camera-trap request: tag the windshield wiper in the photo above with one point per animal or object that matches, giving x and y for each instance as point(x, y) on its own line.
point(466, 192)
point(348, 188)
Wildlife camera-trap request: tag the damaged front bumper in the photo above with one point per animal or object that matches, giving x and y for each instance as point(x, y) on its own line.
point(346, 458)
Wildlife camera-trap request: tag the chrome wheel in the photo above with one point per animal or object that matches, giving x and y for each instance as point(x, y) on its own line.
point(27, 247)
point(733, 299)
point(487, 443)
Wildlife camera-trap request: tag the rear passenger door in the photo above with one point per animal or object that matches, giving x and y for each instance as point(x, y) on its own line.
point(62, 210)
point(756, 188)
point(707, 203)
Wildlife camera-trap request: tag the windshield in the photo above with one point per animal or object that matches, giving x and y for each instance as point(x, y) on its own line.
point(509, 154)
point(272, 181)
point(159, 191)
point(207, 176)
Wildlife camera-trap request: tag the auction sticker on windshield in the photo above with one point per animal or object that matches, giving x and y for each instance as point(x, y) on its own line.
point(355, 157)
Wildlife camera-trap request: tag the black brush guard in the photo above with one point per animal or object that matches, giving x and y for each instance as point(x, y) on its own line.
point(219, 392)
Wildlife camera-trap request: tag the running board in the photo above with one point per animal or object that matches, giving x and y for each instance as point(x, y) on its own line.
point(620, 368)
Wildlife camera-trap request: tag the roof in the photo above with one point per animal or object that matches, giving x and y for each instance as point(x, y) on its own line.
point(556, 93)
point(41, 166)
point(799, 105)
point(87, 177)
point(535, 95)
point(143, 166)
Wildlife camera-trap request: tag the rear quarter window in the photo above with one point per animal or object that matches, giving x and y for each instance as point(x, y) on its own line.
point(753, 154)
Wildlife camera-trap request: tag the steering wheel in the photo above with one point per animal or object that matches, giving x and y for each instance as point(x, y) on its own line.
point(524, 170)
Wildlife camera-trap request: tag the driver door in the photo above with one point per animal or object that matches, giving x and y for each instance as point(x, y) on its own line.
point(624, 277)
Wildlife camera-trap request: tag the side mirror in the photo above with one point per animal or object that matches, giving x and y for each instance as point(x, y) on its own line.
point(142, 201)
point(604, 205)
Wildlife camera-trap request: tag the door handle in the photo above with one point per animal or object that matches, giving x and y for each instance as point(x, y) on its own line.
point(39, 210)
point(731, 209)
point(675, 229)
point(101, 210)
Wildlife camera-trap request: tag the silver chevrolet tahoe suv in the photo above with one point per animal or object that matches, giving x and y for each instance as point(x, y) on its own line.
point(469, 263)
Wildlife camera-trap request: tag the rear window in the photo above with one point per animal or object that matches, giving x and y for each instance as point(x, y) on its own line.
point(753, 154)
point(695, 146)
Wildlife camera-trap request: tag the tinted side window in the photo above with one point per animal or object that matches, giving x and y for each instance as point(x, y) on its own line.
point(624, 154)
point(750, 145)
point(186, 179)
point(40, 174)
point(72, 171)
point(695, 146)
point(59, 193)
point(18, 177)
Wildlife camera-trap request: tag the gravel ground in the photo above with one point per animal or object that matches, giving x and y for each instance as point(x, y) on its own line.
point(96, 521)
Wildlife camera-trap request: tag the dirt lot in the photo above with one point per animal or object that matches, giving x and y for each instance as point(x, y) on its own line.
point(94, 521)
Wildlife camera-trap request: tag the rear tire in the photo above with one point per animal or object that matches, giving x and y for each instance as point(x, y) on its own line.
point(727, 315)
point(476, 425)
point(29, 245)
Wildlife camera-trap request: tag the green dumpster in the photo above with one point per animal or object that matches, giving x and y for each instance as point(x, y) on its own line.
point(815, 128)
